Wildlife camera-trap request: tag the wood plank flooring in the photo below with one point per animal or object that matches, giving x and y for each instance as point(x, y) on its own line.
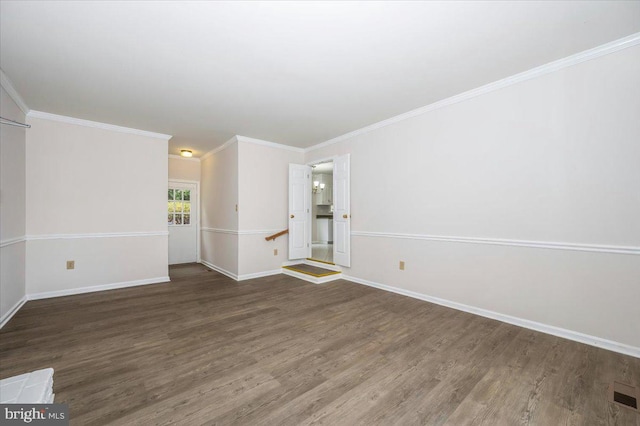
point(204, 349)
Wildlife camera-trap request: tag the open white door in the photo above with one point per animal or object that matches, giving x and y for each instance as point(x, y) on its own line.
point(299, 211)
point(341, 211)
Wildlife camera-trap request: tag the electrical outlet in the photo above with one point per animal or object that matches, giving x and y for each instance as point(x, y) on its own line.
point(275, 252)
point(71, 264)
point(402, 265)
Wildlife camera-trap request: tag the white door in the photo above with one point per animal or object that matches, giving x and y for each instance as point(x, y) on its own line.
point(182, 211)
point(299, 211)
point(341, 211)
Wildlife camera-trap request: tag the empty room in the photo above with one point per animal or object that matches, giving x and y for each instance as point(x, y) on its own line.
point(338, 213)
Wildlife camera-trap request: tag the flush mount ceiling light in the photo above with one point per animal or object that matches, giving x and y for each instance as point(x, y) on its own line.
point(186, 153)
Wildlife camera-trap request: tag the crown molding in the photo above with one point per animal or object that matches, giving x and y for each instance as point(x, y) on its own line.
point(220, 148)
point(13, 93)
point(179, 157)
point(596, 52)
point(96, 125)
point(269, 144)
point(238, 138)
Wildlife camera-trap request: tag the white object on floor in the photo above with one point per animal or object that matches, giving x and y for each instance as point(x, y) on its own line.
point(30, 388)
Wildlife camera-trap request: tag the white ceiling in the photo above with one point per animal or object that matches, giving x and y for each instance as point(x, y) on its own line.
point(296, 73)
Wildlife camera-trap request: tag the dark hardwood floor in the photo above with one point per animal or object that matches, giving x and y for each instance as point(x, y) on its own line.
point(204, 349)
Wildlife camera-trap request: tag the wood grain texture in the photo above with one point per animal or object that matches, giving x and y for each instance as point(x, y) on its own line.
point(205, 349)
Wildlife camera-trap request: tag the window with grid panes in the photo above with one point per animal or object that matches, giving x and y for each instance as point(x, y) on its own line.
point(179, 207)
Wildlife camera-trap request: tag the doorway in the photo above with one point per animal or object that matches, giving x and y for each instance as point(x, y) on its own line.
point(336, 199)
point(182, 221)
point(322, 212)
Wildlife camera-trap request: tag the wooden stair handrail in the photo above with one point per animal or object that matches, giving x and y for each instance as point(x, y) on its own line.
point(274, 236)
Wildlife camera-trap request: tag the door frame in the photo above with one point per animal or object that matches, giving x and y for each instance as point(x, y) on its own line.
point(310, 164)
point(197, 183)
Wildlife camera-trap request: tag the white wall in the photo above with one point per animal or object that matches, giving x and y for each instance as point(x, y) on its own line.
point(12, 208)
point(98, 197)
point(184, 168)
point(263, 179)
point(219, 218)
point(552, 159)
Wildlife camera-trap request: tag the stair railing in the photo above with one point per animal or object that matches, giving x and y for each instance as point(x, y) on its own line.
point(276, 235)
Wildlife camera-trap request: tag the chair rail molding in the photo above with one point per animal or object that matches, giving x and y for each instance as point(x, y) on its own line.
point(505, 242)
point(37, 237)
point(10, 241)
point(240, 232)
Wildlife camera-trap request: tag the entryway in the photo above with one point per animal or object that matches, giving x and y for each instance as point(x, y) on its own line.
point(322, 211)
point(319, 212)
point(182, 220)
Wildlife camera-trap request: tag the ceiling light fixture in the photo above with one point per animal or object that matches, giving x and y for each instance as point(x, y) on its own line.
point(186, 153)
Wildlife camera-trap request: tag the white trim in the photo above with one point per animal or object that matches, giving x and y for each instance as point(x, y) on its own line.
point(267, 143)
point(219, 230)
point(96, 125)
point(220, 148)
point(14, 309)
point(180, 157)
point(311, 278)
point(10, 241)
point(322, 160)
point(238, 138)
point(242, 277)
point(96, 235)
point(605, 49)
point(237, 232)
point(259, 274)
point(520, 322)
point(92, 289)
point(13, 93)
point(504, 242)
point(219, 269)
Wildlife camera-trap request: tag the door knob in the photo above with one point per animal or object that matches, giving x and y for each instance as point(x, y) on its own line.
point(344, 216)
point(292, 216)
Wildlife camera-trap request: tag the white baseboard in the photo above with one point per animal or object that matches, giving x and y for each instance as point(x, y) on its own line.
point(242, 277)
point(15, 308)
point(103, 287)
point(520, 322)
point(259, 274)
point(219, 269)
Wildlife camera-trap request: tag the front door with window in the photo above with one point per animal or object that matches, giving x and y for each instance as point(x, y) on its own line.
point(182, 219)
